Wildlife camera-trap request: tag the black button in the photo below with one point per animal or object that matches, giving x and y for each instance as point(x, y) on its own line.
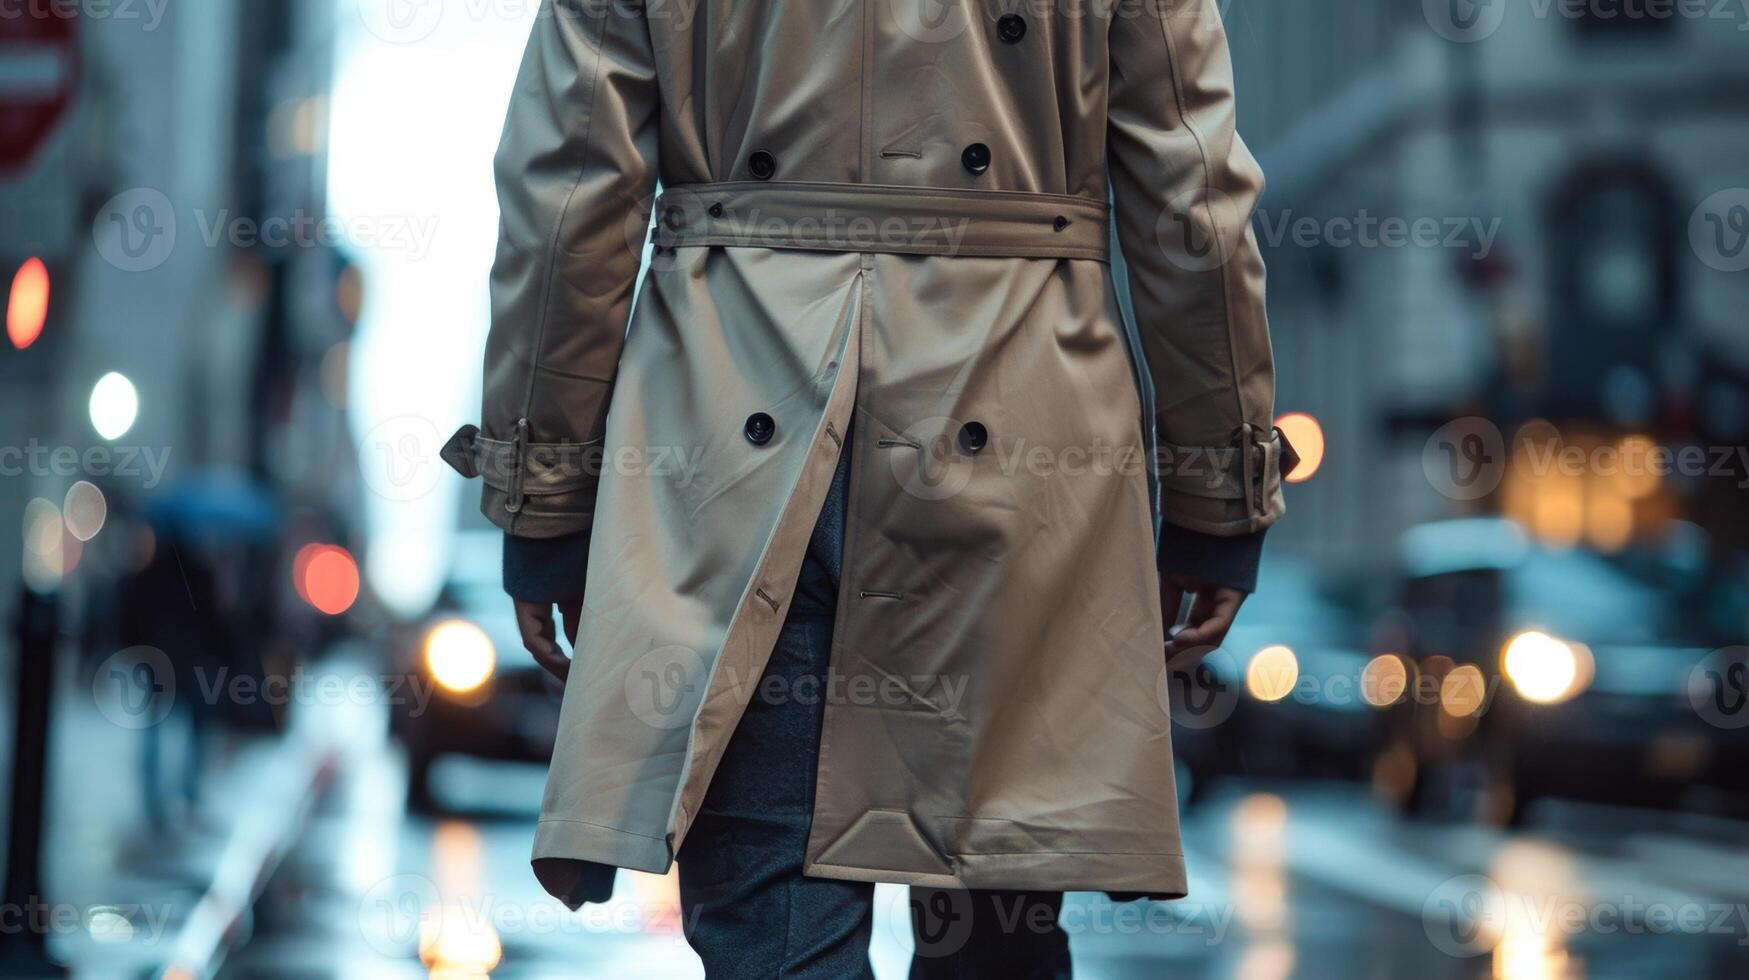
point(762, 164)
point(760, 428)
point(976, 158)
point(674, 218)
point(717, 210)
point(1011, 28)
point(973, 438)
point(1060, 223)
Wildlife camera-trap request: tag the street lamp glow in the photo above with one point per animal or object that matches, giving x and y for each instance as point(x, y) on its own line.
point(115, 404)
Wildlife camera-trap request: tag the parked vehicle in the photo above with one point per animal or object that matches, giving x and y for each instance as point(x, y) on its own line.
point(1538, 672)
point(487, 698)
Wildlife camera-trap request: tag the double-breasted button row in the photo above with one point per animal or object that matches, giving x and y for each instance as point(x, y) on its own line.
point(762, 165)
point(1011, 29)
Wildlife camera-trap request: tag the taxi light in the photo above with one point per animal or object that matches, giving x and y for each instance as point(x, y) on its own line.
point(1543, 669)
point(459, 656)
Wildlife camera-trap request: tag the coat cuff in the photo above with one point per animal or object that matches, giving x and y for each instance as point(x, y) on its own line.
point(1211, 558)
point(1230, 489)
point(546, 570)
point(536, 490)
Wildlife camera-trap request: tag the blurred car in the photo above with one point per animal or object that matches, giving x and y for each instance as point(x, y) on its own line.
point(1282, 697)
point(487, 698)
point(1532, 672)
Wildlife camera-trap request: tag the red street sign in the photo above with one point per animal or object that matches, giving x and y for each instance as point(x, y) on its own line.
point(39, 69)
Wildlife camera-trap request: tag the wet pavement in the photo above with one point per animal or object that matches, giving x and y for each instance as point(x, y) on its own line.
point(1311, 881)
point(1303, 880)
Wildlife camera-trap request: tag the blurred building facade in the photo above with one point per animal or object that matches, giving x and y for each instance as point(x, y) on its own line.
point(1502, 212)
point(1580, 174)
point(174, 208)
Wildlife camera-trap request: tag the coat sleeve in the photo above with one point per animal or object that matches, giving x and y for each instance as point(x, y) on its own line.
point(575, 172)
point(1184, 188)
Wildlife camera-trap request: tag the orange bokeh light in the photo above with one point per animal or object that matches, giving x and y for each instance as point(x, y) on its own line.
point(326, 577)
point(1307, 436)
point(27, 306)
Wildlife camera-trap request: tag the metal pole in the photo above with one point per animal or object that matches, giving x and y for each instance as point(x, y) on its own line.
point(23, 931)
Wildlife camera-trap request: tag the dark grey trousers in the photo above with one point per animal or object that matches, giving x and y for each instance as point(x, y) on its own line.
point(747, 909)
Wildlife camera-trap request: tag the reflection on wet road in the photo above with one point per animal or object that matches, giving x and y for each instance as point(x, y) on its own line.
point(1310, 880)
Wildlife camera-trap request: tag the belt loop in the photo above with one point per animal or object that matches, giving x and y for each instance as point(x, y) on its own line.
point(518, 442)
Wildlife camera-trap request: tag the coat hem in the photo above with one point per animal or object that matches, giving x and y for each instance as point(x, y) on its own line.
point(1159, 875)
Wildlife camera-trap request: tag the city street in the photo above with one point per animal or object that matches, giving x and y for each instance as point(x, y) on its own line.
point(939, 390)
point(1287, 880)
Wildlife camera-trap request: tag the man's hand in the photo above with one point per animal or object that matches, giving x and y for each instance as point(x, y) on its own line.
point(540, 637)
point(1211, 613)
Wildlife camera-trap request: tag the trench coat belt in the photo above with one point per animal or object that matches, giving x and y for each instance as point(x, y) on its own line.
point(883, 218)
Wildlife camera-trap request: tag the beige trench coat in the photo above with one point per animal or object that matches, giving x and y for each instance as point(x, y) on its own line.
point(884, 236)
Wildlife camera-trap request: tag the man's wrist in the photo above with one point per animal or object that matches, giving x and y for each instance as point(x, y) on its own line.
point(1211, 558)
point(546, 570)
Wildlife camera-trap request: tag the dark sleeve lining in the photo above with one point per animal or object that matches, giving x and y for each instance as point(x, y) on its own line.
point(1229, 561)
point(546, 569)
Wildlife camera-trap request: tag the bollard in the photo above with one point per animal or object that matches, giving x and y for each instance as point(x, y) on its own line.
point(23, 939)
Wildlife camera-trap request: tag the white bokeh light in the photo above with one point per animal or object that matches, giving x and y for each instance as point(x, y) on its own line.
point(115, 404)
